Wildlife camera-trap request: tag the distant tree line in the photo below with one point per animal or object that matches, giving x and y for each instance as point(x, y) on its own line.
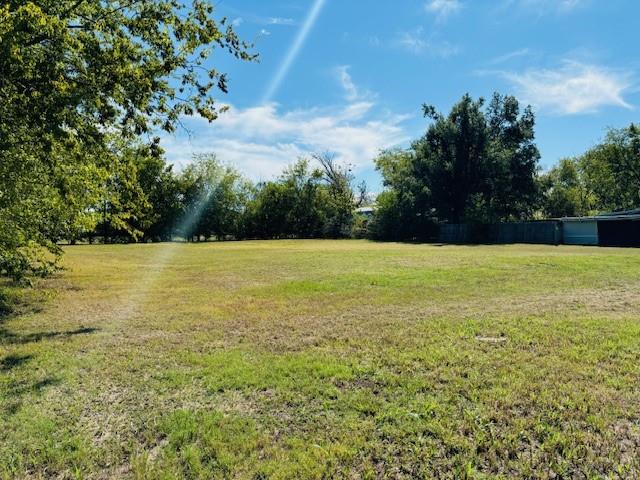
point(478, 164)
point(145, 200)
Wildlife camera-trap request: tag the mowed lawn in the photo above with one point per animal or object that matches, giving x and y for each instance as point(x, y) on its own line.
point(325, 359)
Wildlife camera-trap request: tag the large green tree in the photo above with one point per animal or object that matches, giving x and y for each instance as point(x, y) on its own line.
point(341, 196)
point(72, 71)
point(474, 164)
point(125, 210)
point(403, 208)
point(161, 187)
point(478, 164)
point(298, 204)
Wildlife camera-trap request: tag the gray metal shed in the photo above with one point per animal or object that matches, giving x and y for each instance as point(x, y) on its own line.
point(616, 229)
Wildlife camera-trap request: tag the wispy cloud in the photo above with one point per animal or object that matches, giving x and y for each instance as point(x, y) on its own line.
point(352, 93)
point(415, 41)
point(242, 15)
point(523, 52)
point(350, 89)
point(443, 8)
point(573, 88)
point(293, 51)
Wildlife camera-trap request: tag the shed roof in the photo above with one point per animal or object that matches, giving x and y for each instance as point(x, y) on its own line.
point(633, 214)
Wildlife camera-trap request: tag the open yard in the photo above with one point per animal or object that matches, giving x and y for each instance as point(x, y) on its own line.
point(324, 359)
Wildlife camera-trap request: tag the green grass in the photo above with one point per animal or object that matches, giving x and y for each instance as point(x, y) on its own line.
point(324, 359)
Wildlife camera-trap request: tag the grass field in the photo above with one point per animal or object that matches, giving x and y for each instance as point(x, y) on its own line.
point(325, 359)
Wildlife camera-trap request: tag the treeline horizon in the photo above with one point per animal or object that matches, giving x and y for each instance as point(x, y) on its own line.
point(211, 199)
point(477, 164)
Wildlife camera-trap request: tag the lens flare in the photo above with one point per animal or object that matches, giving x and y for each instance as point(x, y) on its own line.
point(295, 48)
point(155, 265)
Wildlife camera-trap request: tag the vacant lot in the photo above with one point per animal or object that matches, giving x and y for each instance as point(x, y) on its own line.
point(320, 359)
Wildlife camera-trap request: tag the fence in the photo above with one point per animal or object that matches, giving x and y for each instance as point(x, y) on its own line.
point(544, 232)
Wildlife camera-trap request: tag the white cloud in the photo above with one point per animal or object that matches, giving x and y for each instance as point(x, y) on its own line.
point(351, 92)
point(443, 8)
point(414, 41)
point(573, 88)
point(237, 21)
point(261, 141)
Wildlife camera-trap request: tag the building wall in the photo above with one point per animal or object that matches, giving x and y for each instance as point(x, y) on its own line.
point(580, 232)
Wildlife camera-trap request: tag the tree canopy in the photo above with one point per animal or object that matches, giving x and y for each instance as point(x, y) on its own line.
point(74, 73)
point(474, 164)
point(606, 178)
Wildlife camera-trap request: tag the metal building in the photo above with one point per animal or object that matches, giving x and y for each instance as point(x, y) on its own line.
point(616, 229)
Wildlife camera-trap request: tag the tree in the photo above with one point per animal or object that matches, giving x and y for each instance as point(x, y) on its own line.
point(472, 165)
point(215, 198)
point(479, 165)
point(41, 203)
point(513, 159)
point(612, 170)
point(124, 209)
point(297, 205)
point(73, 71)
point(403, 210)
point(341, 198)
point(161, 187)
point(564, 193)
point(306, 215)
point(267, 212)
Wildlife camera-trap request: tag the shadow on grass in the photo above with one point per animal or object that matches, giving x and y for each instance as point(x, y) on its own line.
point(11, 338)
point(12, 361)
point(13, 303)
point(15, 391)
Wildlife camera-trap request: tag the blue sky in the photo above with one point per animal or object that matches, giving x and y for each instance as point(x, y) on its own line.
point(350, 76)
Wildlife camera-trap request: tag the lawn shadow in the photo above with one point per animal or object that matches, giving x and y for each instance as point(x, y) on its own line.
point(16, 390)
point(13, 306)
point(11, 338)
point(12, 361)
